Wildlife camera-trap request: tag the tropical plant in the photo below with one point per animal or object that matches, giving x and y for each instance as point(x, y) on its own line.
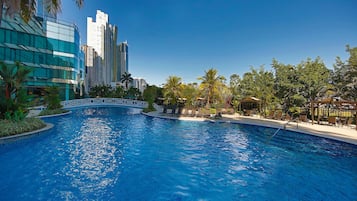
point(235, 89)
point(172, 90)
point(27, 8)
point(52, 98)
point(211, 83)
point(149, 95)
point(264, 83)
point(118, 92)
point(100, 91)
point(16, 99)
point(7, 75)
point(133, 93)
point(190, 92)
point(126, 78)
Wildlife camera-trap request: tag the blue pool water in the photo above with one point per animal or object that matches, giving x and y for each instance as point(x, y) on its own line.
point(119, 154)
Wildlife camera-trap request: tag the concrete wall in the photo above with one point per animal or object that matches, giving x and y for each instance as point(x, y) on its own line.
point(104, 101)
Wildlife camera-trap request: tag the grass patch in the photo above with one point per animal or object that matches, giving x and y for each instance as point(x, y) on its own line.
point(52, 112)
point(9, 127)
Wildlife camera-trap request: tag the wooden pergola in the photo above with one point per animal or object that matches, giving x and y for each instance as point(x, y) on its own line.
point(337, 103)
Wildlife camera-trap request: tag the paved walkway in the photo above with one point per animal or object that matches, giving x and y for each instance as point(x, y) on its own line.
point(345, 134)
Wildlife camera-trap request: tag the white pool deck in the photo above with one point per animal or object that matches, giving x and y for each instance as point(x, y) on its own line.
point(336, 132)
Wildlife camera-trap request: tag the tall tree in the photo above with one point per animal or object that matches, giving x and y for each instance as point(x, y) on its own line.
point(149, 95)
point(264, 83)
point(27, 8)
point(351, 73)
point(340, 79)
point(190, 92)
point(211, 83)
point(235, 88)
point(314, 77)
point(287, 85)
point(172, 89)
point(126, 78)
point(247, 85)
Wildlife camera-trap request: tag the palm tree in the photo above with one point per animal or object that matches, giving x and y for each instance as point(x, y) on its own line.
point(172, 89)
point(7, 74)
point(13, 77)
point(52, 98)
point(126, 77)
point(211, 84)
point(21, 74)
point(27, 8)
point(15, 95)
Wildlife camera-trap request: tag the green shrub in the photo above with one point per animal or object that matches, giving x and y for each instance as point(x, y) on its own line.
point(18, 115)
point(148, 109)
point(212, 111)
point(52, 112)
point(9, 127)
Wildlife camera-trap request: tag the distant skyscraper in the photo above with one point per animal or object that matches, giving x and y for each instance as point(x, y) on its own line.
point(93, 64)
point(102, 36)
point(123, 59)
point(140, 84)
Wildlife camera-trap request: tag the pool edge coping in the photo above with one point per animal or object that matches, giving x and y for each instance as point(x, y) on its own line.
point(54, 115)
point(275, 125)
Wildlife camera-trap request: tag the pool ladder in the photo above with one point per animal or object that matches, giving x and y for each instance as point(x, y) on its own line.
point(284, 127)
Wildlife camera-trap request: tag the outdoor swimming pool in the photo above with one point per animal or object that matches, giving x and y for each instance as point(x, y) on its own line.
point(118, 154)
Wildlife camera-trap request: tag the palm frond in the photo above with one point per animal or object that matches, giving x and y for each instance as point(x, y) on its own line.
point(80, 3)
point(53, 6)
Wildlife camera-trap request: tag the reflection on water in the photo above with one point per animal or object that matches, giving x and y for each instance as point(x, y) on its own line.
point(93, 162)
point(118, 154)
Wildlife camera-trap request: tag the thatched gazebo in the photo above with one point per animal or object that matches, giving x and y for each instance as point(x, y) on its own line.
point(249, 105)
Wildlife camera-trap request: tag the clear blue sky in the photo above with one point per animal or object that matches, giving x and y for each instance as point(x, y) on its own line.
point(187, 37)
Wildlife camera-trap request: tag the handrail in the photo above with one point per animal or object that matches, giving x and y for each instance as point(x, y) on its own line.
point(284, 127)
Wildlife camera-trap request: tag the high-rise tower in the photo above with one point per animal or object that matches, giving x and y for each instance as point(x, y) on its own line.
point(102, 36)
point(123, 59)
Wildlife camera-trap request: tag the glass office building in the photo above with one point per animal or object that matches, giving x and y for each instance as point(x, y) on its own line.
point(50, 47)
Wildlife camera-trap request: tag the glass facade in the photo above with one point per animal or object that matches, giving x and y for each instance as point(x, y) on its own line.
point(50, 47)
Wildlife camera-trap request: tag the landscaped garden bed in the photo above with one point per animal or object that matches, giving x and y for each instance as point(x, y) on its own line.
point(9, 127)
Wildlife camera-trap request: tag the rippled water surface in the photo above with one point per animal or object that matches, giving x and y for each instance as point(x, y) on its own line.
point(119, 154)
